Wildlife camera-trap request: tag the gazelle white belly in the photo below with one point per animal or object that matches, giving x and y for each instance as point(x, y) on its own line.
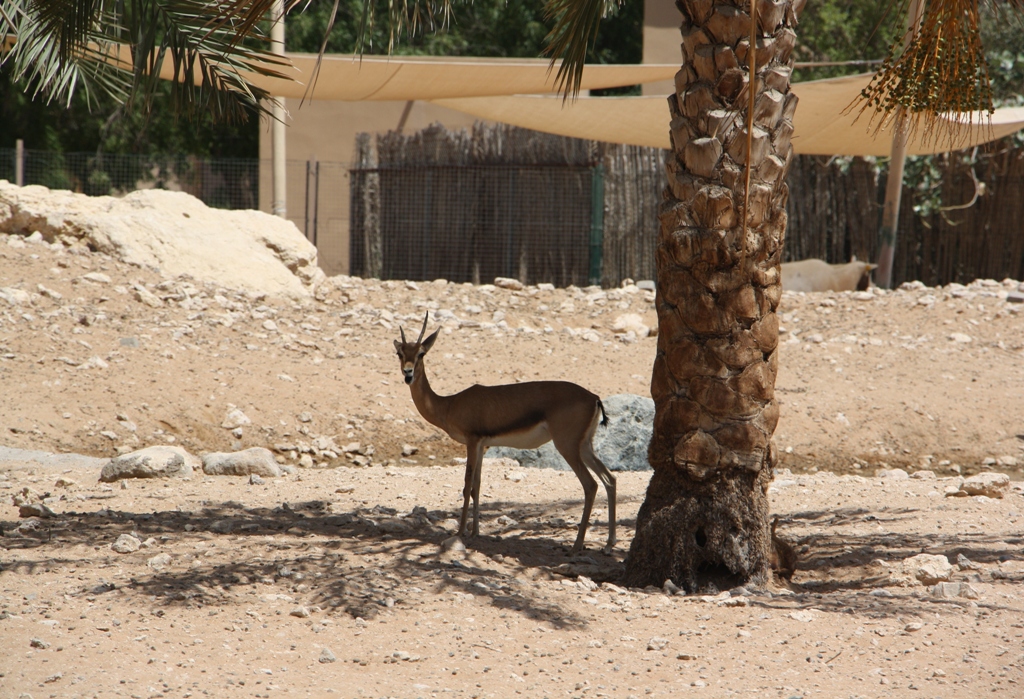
point(530, 438)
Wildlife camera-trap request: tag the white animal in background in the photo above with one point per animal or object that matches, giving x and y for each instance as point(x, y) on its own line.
point(818, 275)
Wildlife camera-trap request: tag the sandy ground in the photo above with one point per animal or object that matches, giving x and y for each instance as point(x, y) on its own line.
point(240, 588)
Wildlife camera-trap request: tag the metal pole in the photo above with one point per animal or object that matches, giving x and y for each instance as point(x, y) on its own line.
point(894, 185)
point(596, 223)
point(19, 162)
point(279, 207)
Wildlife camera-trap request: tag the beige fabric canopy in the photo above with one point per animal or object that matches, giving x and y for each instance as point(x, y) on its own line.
point(523, 92)
point(349, 78)
point(823, 124)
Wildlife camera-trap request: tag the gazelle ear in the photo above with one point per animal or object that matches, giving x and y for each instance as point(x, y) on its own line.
point(429, 342)
point(398, 346)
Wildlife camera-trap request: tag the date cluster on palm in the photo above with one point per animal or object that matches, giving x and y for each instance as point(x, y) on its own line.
point(704, 523)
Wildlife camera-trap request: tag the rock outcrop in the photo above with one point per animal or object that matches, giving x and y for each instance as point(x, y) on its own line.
point(172, 232)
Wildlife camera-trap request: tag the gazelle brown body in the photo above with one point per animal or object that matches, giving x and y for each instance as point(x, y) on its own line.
point(522, 416)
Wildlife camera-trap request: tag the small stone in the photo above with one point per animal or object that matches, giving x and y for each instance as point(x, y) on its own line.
point(305, 417)
point(993, 485)
point(254, 461)
point(961, 338)
point(35, 509)
point(235, 418)
point(927, 568)
point(305, 461)
point(670, 588)
point(515, 476)
point(964, 563)
point(301, 612)
point(507, 283)
point(151, 462)
point(897, 474)
point(913, 626)
point(952, 590)
point(409, 449)
point(657, 643)
point(254, 479)
point(453, 545)
point(39, 643)
point(159, 561)
point(326, 656)
point(126, 543)
point(96, 277)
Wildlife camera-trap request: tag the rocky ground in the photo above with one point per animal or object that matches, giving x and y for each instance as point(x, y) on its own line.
point(331, 579)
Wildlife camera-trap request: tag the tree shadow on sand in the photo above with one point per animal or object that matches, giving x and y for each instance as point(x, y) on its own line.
point(361, 561)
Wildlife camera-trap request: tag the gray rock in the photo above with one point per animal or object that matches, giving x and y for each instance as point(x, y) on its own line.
point(326, 656)
point(235, 418)
point(39, 643)
point(621, 445)
point(151, 462)
point(255, 479)
point(255, 461)
point(35, 509)
point(126, 543)
point(951, 590)
point(993, 485)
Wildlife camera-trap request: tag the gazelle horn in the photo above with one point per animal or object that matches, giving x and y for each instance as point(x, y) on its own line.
point(402, 330)
point(424, 328)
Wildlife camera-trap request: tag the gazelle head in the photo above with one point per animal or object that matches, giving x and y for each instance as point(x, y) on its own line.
point(411, 354)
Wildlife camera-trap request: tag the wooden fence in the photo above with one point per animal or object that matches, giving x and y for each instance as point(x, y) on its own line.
point(503, 201)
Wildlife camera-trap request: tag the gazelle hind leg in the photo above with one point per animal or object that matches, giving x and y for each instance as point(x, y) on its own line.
point(474, 453)
point(597, 466)
point(477, 471)
point(570, 451)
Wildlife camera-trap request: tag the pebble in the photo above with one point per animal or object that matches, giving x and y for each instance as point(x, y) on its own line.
point(126, 543)
point(39, 643)
point(301, 612)
point(326, 656)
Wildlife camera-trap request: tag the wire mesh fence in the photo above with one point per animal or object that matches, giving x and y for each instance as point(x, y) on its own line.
point(225, 183)
point(496, 201)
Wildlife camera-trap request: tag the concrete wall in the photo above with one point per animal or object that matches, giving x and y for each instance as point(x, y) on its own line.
point(661, 40)
point(326, 131)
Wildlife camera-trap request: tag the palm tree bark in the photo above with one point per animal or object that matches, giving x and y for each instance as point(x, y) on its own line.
point(704, 522)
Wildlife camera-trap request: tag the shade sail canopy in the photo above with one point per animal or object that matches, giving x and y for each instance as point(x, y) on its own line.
point(349, 78)
point(823, 124)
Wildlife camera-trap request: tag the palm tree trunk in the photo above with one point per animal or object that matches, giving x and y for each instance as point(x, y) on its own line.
point(704, 522)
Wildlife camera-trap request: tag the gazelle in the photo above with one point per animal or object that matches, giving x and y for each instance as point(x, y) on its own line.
point(520, 415)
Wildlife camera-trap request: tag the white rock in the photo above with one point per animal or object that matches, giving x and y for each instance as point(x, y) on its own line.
point(993, 485)
point(657, 643)
point(961, 338)
point(409, 449)
point(159, 561)
point(897, 474)
point(235, 418)
point(175, 233)
point(15, 297)
point(630, 322)
point(96, 277)
point(151, 462)
point(927, 568)
point(126, 543)
point(506, 283)
point(254, 461)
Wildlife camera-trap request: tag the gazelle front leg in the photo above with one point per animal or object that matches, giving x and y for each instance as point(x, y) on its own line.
point(474, 461)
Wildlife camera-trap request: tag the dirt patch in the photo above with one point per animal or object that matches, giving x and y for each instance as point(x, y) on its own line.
point(238, 589)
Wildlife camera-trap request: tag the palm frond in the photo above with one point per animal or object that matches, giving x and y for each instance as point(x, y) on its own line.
point(574, 32)
point(62, 46)
point(941, 69)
